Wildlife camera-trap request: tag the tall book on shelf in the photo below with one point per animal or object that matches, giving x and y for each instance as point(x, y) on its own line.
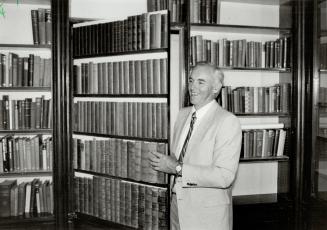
point(120, 114)
point(26, 113)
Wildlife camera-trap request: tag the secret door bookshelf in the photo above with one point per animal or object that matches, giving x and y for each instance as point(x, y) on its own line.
point(26, 113)
point(318, 164)
point(121, 112)
point(254, 52)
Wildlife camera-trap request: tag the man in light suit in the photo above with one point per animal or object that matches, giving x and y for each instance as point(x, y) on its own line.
point(204, 157)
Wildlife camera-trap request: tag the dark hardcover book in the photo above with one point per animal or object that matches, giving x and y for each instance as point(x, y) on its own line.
point(116, 78)
point(121, 78)
point(150, 76)
point(148, 208)
point(118, 157)
point(142, 207)
point(30, 70)
point(95, 198)
point(48, 27)
point(35, 26)
point(164, 120)
point(128, 204)
point(20, 69)
point(144, 77)
point(108, 199)
point(126, 77)
point(138, 161)
point(135, 202)
point(131, 159)
point(134, 122)
point(139, 19)
point(155, 208)
point(145, 31)
point(156, 76)
point(5, 112)
point(164, 31)
point(154, 120)
point(42, 26)
point(163, 76)
point(138, 77)
point(145, 161)
point(140, 125)
point(132, 87)
point(5, 197)
point(124, 159)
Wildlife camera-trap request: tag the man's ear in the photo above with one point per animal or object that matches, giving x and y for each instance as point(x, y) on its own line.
point(216, 88)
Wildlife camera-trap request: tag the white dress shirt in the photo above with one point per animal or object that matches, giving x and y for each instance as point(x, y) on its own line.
point(199, 115)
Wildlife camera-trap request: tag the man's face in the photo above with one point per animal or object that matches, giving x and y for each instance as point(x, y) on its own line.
point(201, 87)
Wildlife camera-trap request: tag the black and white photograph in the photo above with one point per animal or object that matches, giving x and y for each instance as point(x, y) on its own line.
point(163, 114)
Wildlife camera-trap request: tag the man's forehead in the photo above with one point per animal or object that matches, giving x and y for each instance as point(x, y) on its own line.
point(201, 73)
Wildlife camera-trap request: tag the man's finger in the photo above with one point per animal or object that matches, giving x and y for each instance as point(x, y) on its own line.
point(154, 159)
point(153, 164)
point(156, 154)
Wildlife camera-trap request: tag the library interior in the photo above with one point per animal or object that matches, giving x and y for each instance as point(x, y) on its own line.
point(90, 88)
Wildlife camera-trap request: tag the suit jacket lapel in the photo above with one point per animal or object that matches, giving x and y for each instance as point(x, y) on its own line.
point(179, 128)
point(204, 125)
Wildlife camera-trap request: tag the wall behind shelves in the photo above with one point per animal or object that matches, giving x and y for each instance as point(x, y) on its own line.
point(238, 13)
point(256, 178)
point(103, 9)
point(16, 26)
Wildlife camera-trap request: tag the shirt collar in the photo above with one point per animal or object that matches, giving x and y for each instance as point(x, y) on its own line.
point(203, 110)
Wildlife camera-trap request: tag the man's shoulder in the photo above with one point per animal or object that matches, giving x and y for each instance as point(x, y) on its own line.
point(225, 115)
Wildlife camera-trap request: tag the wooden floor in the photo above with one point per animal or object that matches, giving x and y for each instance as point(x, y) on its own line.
point(314, 218)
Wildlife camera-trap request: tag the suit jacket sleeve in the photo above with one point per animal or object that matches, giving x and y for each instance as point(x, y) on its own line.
point(226, 153)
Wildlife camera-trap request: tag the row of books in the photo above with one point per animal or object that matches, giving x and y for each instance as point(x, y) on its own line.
point(156, 5)
point(323, 56)
point(131, 204)
point(123, 77)
point(25, 154)
point(140, 32)
point(205, 11)
point(323, 94)
point(42, 26)
point(28, 199)
point(117, 157)
point(18, 71)
point(241, 53)
point(135, 119)
point(29, 113)
point(273, 99)
point(177, 8)
point(322, 132)
point(263, 143)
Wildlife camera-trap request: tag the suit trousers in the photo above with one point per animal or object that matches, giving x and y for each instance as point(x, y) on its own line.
point(174, 221)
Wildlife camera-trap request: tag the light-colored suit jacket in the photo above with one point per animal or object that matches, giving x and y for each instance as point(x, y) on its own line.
point(211, 160)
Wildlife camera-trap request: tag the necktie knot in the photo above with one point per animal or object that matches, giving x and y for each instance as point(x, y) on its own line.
point(193, 118)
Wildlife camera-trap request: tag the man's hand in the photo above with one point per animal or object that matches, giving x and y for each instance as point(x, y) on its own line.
point(163, 163)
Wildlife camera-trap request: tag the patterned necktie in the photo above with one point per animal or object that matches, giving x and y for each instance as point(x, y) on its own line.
point(183, 151)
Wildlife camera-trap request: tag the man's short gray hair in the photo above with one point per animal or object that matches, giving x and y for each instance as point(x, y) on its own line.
point(216, 71)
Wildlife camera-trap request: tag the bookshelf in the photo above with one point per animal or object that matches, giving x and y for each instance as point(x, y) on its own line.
point(244, 20)
point(26, 114)
point(125, 84)
point(318, 159)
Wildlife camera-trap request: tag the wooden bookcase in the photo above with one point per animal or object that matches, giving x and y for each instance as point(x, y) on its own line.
point(27, 160)
point(129, 116)
point(318, 164)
